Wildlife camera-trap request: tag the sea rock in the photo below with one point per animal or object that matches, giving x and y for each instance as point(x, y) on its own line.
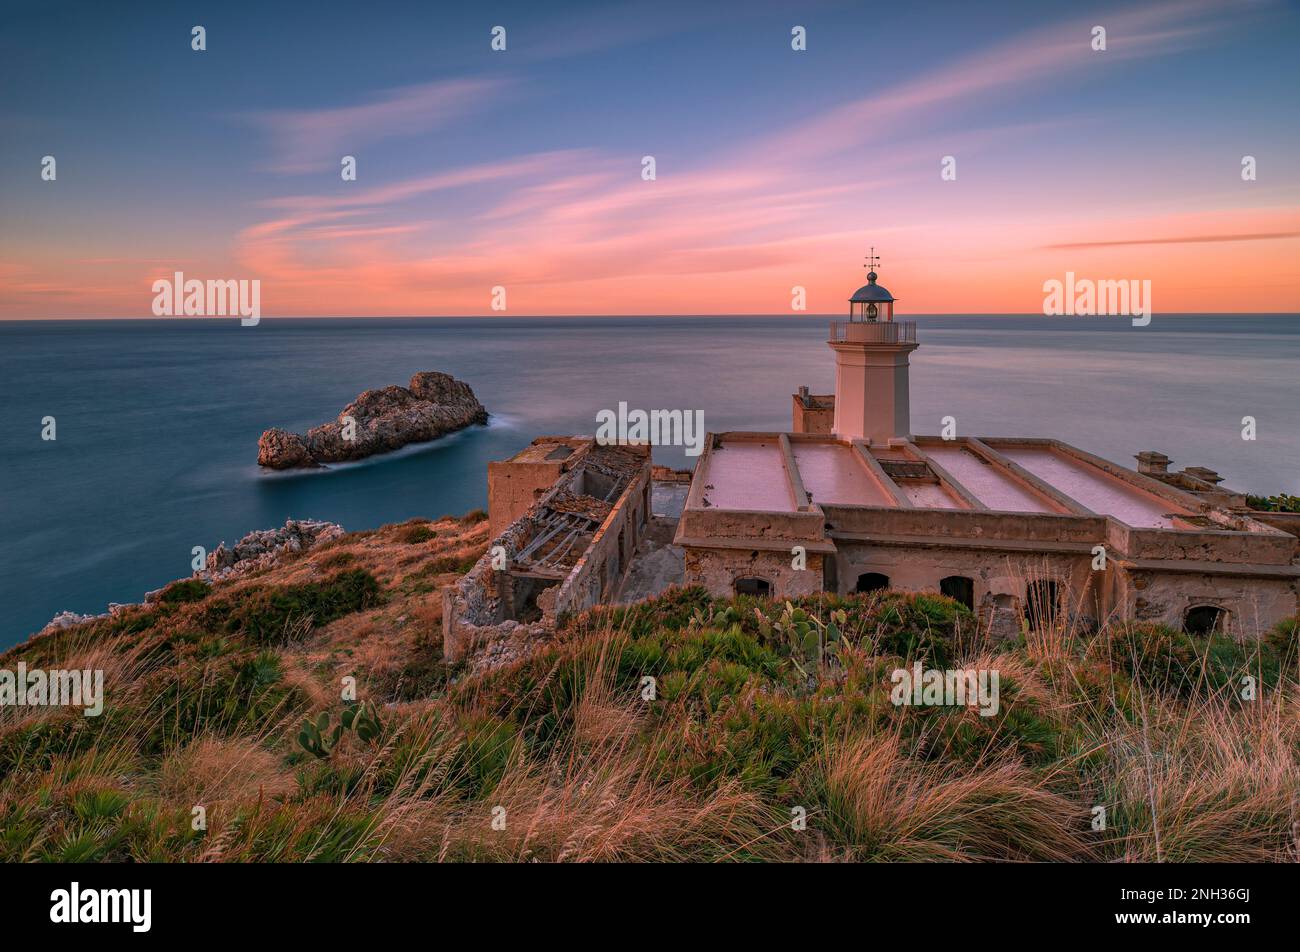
point(378, 421)
point(281, 449)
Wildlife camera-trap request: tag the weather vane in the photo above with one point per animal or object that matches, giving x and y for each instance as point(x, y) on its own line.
point(872, 260)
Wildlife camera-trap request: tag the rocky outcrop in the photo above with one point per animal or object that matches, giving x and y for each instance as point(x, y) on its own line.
point(67, 620)
point(263, 548)
point(378, 421)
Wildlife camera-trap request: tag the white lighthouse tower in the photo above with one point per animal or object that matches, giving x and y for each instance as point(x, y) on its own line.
point(872, 399)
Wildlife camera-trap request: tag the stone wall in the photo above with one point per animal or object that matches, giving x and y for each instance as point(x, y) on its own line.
point(1254, 604)
point(718, 569)
point(472, 609)
point(601, 568)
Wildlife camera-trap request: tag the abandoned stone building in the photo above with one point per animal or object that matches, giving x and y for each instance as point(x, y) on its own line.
point(566, 516)
point(1018, 529)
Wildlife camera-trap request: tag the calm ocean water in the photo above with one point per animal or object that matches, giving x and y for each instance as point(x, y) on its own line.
point(158, 420)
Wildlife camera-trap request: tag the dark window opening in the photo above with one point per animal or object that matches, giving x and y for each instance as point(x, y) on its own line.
point(1042, 604)
point(1204, 619)
point(523, 593)
point(754, 586)
point(960, 589)
point(872, 582)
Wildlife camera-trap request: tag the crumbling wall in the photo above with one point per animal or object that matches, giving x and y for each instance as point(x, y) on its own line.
point(1001, 578)
point(1254, 604)
point(813, 412)
point(476, 610)
point(472, 609)
point(601, 569)
point(925, 525)
point(718, 569)
point(513, 489)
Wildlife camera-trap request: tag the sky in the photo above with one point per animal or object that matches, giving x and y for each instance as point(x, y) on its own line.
point(523, 168)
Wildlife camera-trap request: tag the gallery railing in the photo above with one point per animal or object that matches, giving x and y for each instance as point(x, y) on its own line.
point(880, 332)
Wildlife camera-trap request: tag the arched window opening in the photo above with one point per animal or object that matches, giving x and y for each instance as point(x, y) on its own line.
point(959, 588)
point(1204, 619)
point(872, 582)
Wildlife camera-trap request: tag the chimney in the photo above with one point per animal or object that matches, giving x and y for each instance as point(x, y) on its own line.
point(1204, 474)
point(1151, 463)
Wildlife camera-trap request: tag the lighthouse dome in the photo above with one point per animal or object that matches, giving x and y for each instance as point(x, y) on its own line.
point(871, 292)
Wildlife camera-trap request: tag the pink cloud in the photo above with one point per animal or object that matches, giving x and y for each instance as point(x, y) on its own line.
point(578, 232)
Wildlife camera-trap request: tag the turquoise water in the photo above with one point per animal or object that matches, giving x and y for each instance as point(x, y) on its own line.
point(158, 420)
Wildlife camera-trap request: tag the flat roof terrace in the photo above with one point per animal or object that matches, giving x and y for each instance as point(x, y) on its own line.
point(988, 482)
point(1095, 489)
point(836, 473)
point(747, 475)
point(791, 473)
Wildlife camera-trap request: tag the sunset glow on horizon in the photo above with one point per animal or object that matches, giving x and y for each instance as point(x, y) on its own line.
point(775, 168)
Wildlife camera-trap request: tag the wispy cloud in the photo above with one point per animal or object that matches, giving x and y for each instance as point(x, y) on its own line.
point(1032, 56)
point(733, 227)
point(564, 229)
point(1179, 240)
point(305, 140)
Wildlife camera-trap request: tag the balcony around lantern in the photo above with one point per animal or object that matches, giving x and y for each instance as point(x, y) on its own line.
point(879, 332)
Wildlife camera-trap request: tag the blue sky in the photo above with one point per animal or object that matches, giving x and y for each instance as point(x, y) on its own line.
point(225, 162)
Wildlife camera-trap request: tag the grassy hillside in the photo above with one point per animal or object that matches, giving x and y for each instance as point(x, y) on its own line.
point(229, 699)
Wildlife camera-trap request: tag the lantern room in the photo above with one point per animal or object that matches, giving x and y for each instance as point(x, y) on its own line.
point(871, 303)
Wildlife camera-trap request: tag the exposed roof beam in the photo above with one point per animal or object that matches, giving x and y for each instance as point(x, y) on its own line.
point(875, 471)
point(947, 479)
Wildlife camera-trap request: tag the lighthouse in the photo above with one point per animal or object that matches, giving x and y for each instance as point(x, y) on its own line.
point(872, 400)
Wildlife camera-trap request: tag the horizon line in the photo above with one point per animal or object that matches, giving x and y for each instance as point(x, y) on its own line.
point(495, 317)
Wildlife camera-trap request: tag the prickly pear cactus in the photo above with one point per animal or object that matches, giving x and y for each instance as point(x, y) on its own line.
point(316, 738)
point(319, 740)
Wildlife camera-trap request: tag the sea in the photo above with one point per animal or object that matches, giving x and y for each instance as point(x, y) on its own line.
point(155, 422)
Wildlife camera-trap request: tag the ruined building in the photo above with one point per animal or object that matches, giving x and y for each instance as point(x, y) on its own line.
point(566, 516)
point(1019, 529)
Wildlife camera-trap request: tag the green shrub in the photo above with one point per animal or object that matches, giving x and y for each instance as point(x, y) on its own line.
point(271, 615)
point(1282, 502)
point(481, 762)
point(1284, 639)
point(238, 693)
point(1164, 658)
point(450, 563)
point(338, 560)
point(413, 535)
point(186, 590)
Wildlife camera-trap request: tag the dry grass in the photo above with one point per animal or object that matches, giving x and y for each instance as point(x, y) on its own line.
point(1207, 783)
point(219, 771)
point(885, 806)
point(559, 759)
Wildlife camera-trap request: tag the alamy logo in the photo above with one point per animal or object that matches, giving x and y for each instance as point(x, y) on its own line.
point(963, 687)
point(211, 298)
point(103, 905)
point(656, 427)
point(1086, 298)
point(55, 688)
